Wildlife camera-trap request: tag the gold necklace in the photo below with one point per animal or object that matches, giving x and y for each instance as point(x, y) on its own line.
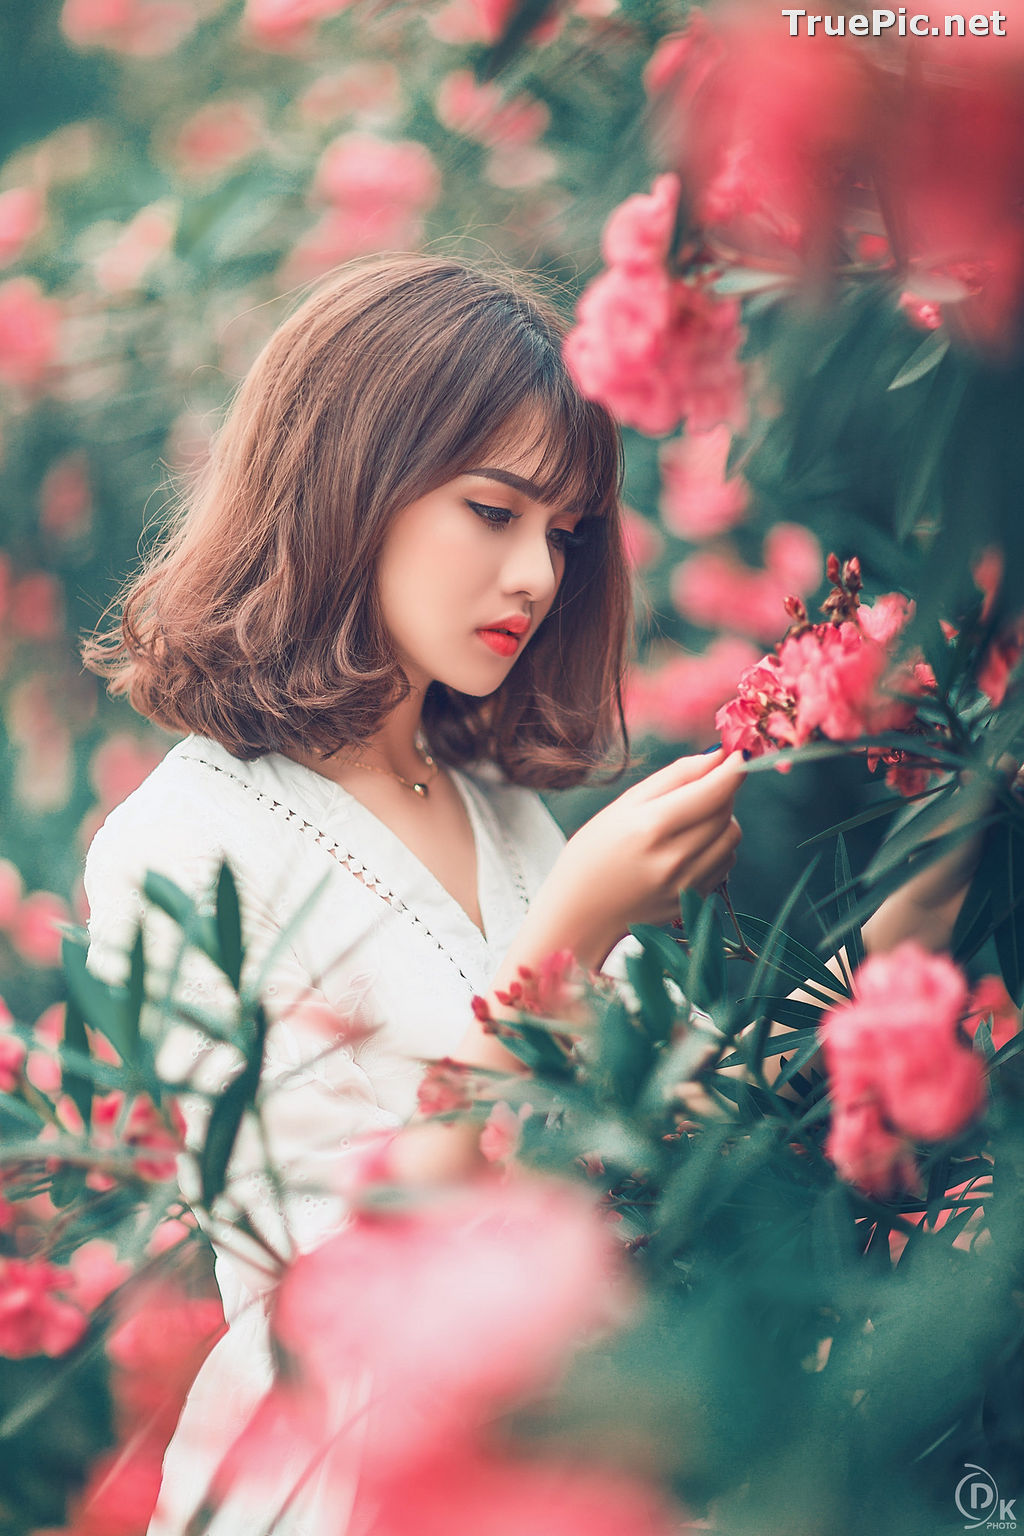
point(420, 787)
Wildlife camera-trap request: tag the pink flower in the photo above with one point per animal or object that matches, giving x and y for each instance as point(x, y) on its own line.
point(29, 333)
point(503, 1131)
point(96, 1271)
point(869, 1155)
point(22, 216)
point(678, 699)
point(638, 233)
point(144, 240)
point(282, 24)
point(837, 677)
point(12, 1052)
point(121, 1493)
point(161, 1134)
point(217, 138)
point(65, 499)
point(444, 1088)
point(366, 174)
point(369, 91)
point(160, 1340)
point(990, 1000)
point(11, 888)
point(508, 1275)
point(480, 110)
point(482, 21)
point(717, 592)
point(895, 1056)
point(697, 500)
point(34, 1317)
point(925, 314)
point(642, 540)
point(470, 1492)
point(34, 932)
point(119, 765)
point(656, 350)
point(145, 28)
point(36, 608)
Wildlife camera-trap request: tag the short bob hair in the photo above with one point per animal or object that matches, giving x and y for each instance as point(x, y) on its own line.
point(257, 621)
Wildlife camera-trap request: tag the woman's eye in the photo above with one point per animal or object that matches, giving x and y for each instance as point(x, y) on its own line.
point(567, 538)
point(496, 516)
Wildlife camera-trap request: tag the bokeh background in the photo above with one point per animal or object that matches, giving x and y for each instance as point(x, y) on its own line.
point(173, 174)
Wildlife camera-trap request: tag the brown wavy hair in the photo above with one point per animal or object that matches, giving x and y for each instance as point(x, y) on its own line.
point(257, 620)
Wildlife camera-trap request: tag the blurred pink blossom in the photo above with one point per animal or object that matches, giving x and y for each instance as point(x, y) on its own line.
point(282, 24)
point(509, 1275)
point(29, 333)
point(22, 216)
point(473, 1492)
point(868, 1154)
point(503, 1131)
point(95, 1272)
point(147, 237)
point(366, 174)
point(642, 540)
point(65, 498)
point(513, 166)
point(990, 1000)
point(678, 700)
point(217, 138)
point(638, 232)
point(480, 110)
point(160, 1133)
point(120, 1493)
point(35, 607)
point(483, 21)
point(653, 348)
point(897, 1060)
point(145, 28)
point(697, 501)
point(34, 931)
point(716, 591)
point(369, 91)
point(35, 1317)
point(12, 1052)
point(11, 891)
point(119, 765)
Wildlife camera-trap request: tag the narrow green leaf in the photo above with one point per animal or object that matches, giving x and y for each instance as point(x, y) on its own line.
point(851, 934)
point(228, 1111)
point(75, 1045)
point(229, 926)
point(102, 1006)
point(671, 954)
point(921, 362)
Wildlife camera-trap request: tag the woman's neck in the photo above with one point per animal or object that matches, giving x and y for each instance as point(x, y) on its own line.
point(391, 749)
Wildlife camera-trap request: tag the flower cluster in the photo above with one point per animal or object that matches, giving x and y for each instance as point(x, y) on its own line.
point(717, 591)
point(508, 1276)
point(899, 1066)
point(796, 148)
point(654, 348)
point(835, 681)
point(377, 191)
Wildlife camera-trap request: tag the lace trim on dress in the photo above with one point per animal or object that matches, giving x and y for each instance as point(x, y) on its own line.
point(342, 856)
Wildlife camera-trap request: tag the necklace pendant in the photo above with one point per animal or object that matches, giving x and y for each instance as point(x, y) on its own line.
point(422, 790)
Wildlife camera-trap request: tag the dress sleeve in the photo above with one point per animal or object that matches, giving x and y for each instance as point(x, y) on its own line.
point(316, 1103)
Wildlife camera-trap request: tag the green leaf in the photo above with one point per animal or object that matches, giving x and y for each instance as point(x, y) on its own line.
point(102, 1006)
point(927, 356)
point(670, 953)
point(229, 926)
point(705, 972)
point(744, 280)
point(850, 935)
point(228, 1111)
point(77, 1085)
point(658, 1012)
point(16, 1109)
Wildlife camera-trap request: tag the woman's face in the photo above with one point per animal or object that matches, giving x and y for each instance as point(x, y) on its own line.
point(480, 551)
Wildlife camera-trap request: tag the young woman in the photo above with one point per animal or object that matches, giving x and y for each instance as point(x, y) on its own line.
point(395, 608)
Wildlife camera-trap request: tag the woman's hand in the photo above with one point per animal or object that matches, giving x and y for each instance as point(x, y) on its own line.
point(672, 831)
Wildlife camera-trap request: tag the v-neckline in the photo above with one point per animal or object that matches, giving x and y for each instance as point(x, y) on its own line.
point(403, 852)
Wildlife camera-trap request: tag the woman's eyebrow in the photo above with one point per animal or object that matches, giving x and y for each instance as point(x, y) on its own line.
point(514, 482)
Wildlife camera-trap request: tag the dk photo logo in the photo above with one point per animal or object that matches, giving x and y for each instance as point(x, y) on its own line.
point(977, 1499)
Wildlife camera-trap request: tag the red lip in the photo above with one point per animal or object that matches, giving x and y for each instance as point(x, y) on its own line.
point(518, 623)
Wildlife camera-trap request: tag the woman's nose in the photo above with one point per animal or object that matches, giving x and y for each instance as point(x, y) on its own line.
point(531, 568)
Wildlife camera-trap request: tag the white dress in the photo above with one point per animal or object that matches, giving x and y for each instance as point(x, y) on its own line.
point(385, 942)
